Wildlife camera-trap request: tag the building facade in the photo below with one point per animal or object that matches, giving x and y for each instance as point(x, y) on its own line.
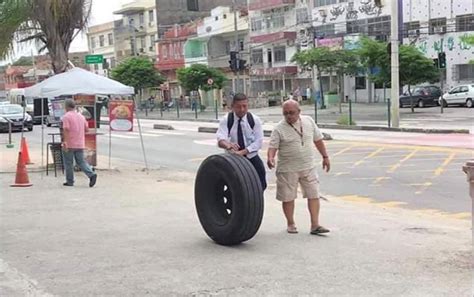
point(170, 56)
point(101, 41)
point(136, 32)
point(433, 26)
point(278, 29)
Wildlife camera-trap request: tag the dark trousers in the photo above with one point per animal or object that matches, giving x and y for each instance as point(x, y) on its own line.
point(260, 168)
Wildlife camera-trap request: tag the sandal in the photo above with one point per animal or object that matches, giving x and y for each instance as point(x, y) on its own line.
point(292, 229)
point(319, 230)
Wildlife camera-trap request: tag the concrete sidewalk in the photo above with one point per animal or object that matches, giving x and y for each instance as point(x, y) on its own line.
point(137, 234)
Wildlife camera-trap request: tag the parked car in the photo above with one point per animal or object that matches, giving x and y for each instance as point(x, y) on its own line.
point(14, 113)
point(422, 97)
point(459, 95)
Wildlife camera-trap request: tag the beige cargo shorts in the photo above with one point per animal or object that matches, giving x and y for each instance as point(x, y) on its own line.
point(287, 184)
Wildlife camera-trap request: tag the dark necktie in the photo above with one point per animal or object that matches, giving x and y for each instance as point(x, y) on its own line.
point(240, 135)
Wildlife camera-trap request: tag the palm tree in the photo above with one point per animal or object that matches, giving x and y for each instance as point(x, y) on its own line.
point(51, 24)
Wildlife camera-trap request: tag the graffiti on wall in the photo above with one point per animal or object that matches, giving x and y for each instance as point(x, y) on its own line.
point(351, 12)
point(442, 44)
point(369, 8)
point(336, 11)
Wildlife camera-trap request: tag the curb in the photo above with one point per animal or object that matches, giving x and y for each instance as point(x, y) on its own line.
point(163, 127)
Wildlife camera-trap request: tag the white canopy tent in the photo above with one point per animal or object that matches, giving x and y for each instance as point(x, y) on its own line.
point(77, 81)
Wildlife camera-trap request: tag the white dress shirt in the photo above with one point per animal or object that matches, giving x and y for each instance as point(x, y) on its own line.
point(253, 138)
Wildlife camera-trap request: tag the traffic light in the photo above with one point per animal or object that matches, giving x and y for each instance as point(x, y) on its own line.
point(242, 64)
point(442, 60)
point(233, 62)
point(436, 63)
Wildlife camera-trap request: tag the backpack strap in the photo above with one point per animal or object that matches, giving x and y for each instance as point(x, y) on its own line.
point(230, 121)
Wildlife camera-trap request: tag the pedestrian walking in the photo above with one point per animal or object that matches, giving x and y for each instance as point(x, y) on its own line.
point(240, 132)
point(74, 129)
point(294, 139)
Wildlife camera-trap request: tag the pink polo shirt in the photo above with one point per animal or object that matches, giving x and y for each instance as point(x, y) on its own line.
point(76, 124)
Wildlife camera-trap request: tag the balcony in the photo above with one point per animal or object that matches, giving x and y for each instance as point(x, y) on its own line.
point(268, 4)
point(273, 37)
point(290, 70)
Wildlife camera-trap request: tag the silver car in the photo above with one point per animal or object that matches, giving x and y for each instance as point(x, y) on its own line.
point(459, 95)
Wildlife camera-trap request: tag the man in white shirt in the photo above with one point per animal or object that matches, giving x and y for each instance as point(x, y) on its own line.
point(240, 132)
point(295, 139)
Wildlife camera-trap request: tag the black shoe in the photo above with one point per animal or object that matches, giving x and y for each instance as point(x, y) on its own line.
point(67, 185)
point(92, 180)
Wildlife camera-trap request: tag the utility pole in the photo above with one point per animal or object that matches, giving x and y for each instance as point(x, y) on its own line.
point(236, 40)
point(395, 66)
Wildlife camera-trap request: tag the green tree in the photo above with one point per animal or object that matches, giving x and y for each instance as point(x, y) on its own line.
point(341, 62)
point(23, 61)
point(52, 24)
point(195, 78)
point(138, 72)
point(469, 39)
point(415, 68)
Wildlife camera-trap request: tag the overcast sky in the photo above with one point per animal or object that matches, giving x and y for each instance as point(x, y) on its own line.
point(102, 12)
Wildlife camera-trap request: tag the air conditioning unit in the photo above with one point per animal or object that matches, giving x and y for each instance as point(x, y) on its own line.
point(151, 24)
point(414, 32)
point(142, 50)
point(290, 42)
point(439, 29)
point(151, 48)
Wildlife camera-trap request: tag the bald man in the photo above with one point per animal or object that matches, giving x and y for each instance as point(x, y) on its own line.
point(295, 139)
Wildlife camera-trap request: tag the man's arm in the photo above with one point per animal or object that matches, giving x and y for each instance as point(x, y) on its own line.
point(271, 153)
point(321, 147)
point(222, 137)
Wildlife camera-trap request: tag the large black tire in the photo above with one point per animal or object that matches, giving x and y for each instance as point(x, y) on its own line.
point(229, 198)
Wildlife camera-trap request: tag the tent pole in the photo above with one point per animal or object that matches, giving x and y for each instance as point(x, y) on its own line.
point(141, 136)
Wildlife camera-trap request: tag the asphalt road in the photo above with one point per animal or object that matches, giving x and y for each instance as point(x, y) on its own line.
point(416, 177)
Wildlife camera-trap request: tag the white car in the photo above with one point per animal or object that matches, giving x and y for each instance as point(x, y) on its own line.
point(459, 95)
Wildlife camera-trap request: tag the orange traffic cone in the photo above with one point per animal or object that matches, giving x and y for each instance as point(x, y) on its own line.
point(24, 151)
point(21, 179)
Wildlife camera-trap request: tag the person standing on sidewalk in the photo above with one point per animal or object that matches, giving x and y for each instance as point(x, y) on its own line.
point(74, 130)
point(295, 138)
point(241, 132)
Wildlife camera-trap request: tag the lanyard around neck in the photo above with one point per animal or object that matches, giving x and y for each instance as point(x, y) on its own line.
point(300, 132)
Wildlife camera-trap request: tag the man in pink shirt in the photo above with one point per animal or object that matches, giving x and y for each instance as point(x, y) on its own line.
point(74, 130)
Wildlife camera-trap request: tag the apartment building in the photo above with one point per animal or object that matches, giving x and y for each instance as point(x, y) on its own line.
point(101, 41)
point(170, 56)
point(278, 29)
point(136, 32)
point(214, 41)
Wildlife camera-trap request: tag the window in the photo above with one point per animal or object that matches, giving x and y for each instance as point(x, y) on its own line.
point(224, 16)
point(324, 2)
point(227, 46)
point(464, 89)
point(112, 62)
point(141, 18)
point(411, 29)
point(378, 26)
point(357, 26)
point(360, 83)
point(93, 42)
point(193, 5)
point(465, 22)
point(151, 16)
point(438, 26)
point(164, 51)
point(257, 57)
point(241, 45)
point(465, 72)
point(324, 31)
point(142, 42)
point(302, 15)
point(110, 38)
point(216, 18)
point(279, 54)
point(256, 24)
point(152, 40)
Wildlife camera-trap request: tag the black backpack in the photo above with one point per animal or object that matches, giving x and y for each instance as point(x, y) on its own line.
point(230, 121)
